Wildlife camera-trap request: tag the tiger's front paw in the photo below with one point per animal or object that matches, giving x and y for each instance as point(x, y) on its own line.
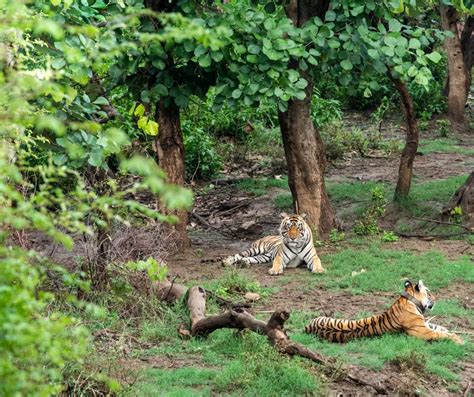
point(245, 261)
point(275, 271)
point(229, 261)
point(318, 270)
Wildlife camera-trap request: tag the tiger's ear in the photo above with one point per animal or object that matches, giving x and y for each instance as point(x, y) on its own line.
point(408, 284)
point(283, 215)
point(419, 286)
point(303, 215)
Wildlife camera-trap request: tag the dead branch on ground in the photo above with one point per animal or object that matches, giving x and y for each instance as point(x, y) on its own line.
point(239, 318)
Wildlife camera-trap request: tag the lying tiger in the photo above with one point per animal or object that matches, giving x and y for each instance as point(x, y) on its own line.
point(291, 248)
point(405, 315)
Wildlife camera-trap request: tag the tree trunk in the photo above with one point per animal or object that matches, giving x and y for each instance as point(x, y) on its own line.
point(169, 148)
point(405, 170)
point(457, 89)
point(467, 48)
point(304, 148)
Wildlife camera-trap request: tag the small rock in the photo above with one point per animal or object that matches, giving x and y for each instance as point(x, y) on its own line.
point(252, 296)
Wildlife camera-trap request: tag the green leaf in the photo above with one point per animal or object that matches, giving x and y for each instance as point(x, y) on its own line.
point(139, 110)
point(253, 49)
point(101, 101)
point(205, 61)
point(414, 43)
point(152, 128)
point(50, 123)
point(394, 25)
point(252, 58)
point(330, 16)
point(334, 43)
point(434, 56)
point(236, 93)
point(374, 54)
point(142, 122)
point(346, 64)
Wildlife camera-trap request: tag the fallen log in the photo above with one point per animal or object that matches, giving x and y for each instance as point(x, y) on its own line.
point(239, 318)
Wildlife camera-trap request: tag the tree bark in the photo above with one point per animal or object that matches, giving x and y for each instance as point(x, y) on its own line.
point(467, 48)
point(169, 148)
point(457, 89)
point(304, 148)
point(407, 157)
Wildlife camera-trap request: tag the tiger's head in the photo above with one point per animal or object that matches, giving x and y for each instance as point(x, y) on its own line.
point(293, 228)
point(421, 293)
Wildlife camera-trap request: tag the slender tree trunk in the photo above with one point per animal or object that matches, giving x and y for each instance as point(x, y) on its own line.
point(169, 148)
point(304, 148)
point(457, 89)
point(405, 170)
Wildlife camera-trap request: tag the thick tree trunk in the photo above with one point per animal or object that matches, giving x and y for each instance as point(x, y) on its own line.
point(405, 170)
point(169, 148)
point(457, 89)
point(304, 149)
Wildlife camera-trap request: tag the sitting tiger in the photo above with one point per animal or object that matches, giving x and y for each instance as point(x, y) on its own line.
point(291, 248)
point(405, 315)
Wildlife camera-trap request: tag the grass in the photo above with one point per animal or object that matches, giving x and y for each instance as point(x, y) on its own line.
point(386, 269)
point(232, 364)
point(228, 362)
point(259, 187)
point(444, 145)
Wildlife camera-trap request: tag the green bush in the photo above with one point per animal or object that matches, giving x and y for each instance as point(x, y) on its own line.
point(202, 160)
point(35, 343)
point(325, 111)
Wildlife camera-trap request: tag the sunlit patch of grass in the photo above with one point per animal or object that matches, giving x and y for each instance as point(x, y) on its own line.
point(444, 145)
point(260, 186)
point(385, 270)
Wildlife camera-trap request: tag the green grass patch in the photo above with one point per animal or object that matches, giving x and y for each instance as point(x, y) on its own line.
point(352, 191)
point(260, 186)
point(444, 145)
point(234, 284)
point(385, 270)
point(283, 201)
point(233, 364)
point(429, 197)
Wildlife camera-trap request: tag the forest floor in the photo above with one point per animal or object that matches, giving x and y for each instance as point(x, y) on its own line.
point(364, 275)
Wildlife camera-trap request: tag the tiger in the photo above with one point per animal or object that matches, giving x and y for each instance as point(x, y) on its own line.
point(405, 315)
point(292, 247)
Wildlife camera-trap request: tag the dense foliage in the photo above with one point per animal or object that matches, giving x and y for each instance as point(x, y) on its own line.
point(81, 84)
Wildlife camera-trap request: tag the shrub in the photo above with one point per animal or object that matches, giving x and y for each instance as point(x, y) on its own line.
point(202, 160)
point(325, 111)
point(367, 224)
point(36, 343)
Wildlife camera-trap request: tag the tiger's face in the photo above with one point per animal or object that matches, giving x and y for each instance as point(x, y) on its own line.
point(421, 293)
point(292, 227)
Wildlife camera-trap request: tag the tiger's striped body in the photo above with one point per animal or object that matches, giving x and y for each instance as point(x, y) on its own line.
point(291, 248)
point(405, 315)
